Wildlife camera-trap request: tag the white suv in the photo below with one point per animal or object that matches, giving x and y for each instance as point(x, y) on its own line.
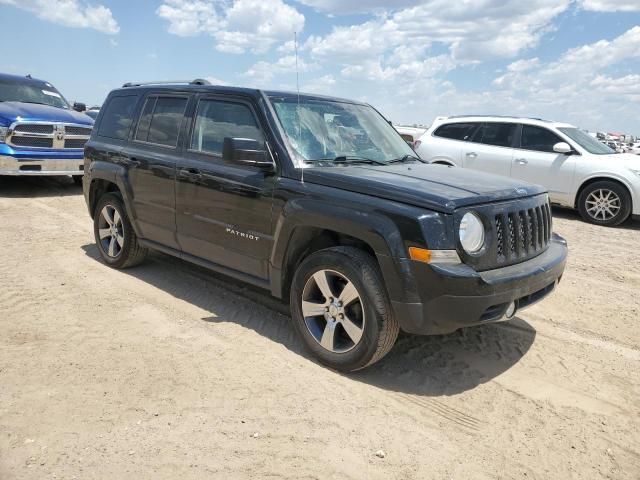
point(578, 170)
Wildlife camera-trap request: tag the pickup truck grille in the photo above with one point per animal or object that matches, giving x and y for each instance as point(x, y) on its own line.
point(522, 233)
point(516, 231)
point(59, 136)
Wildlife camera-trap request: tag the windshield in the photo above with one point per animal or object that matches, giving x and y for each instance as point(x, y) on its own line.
point(31, 92)
point(326, 131)
point(586, 141)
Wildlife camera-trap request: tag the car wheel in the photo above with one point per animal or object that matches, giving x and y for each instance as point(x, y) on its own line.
point(77, 179)
point(605, 203)
point(340, 308)
point(116, 240)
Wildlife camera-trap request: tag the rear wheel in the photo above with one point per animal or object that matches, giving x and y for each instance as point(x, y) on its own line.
point(340, 308)
point(605, 203)
point(116, 240)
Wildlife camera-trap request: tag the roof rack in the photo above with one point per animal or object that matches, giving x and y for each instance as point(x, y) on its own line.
point(197, 81)
point(499, 116)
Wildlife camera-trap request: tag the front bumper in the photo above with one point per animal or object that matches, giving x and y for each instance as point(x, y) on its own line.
point(39, 165)
point(456, 296)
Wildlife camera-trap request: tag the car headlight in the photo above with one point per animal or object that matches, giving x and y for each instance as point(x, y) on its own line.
point(3, 133)
point(471, 233)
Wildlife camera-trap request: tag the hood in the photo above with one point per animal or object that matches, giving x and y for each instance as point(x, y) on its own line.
point(436, 187)
point(12, 111)
point(628, 159)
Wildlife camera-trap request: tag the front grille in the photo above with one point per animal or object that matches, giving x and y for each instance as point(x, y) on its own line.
point(34, 128)
point(36, 142)
point(58, 136)
point(69, 130)
point(528, 232)
point(75, 142)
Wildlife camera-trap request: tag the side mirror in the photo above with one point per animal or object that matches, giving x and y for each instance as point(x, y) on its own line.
point(246, 151)
point(563, 147)
point(79, 107)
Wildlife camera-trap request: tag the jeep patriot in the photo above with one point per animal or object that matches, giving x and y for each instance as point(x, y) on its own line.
point(321, 202)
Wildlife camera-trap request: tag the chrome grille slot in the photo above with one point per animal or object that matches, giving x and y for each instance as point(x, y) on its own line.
point(70, 130)
point(74, 143)
point(36, 142)
point(44, 129)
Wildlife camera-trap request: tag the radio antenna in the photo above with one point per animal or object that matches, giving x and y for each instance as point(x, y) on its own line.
point(295, 44)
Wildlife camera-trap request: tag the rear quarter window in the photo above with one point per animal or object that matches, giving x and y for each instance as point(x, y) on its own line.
point(117, 117)
point(456, 131)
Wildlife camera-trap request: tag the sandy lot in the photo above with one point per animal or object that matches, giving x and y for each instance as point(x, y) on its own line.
point(169, 371)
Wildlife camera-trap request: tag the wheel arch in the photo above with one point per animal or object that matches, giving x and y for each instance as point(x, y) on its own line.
point(604, 178)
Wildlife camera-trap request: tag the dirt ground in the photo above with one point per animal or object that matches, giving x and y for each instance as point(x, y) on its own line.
point(169, 371)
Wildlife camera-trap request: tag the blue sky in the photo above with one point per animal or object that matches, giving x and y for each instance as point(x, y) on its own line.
point(568, 60)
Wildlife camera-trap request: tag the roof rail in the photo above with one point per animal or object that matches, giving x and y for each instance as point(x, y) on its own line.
point(197, 81)
point(499, 116)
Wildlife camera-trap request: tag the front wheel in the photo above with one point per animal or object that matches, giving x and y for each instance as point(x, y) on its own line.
point(116, 240)
point(340, 308)
point(605, 203)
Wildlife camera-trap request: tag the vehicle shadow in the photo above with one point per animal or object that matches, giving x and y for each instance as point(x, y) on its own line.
point(573, 215)
point(418, 365)
point(23, 187)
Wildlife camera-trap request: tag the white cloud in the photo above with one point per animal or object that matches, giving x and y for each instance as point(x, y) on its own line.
point(323, 85)
point(473, 31)
point(263, 72)
point(358, 6)
point(610, 5)
point(236, 25)
point(70, 13)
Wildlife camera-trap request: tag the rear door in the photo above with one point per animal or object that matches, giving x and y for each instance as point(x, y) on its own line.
point(535, 161)
point(491, 148)
point(224, 209)
point(151, 157)
point(447, 142)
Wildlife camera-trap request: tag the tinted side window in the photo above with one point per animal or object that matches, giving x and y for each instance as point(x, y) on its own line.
point(498, 134)
point(216, 120)
point(117, 117)
point(537, 138)
point(161, 119)
point(456, 131)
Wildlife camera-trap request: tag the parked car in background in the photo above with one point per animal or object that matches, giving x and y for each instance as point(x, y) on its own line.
point(40, 133)
point(634, 148)
point(410, 134)
point(93, 112)
point(579, 171)
point(319, 201)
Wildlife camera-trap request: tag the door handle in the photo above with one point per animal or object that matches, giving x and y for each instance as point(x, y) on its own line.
point(522, 161)
point(190, 173)
point(472, 154)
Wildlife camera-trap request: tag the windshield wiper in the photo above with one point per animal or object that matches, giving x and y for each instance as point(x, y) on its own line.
point(347, 159)
point(406, 158)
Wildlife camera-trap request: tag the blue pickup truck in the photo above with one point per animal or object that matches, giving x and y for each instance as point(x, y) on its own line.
point(40, 132)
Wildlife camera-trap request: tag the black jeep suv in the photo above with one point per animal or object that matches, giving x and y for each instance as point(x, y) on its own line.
point(320, 201)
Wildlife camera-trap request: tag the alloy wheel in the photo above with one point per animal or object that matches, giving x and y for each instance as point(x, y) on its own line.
point(333, 311)
point(603, 204)
point(111, 231)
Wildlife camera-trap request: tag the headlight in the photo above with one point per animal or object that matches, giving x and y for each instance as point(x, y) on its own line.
point(3, 133)
point(471, 233)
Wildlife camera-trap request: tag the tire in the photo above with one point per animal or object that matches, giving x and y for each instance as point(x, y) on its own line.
point(77, 179)
point(599, 200)
point(367, 318)
point(121, 250)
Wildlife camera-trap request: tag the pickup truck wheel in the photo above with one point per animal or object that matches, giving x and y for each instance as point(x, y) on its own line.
point(605, 203)
point(340, 308)
point(116, 240)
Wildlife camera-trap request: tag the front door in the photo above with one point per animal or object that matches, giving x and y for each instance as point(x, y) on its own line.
point(490, 150)
point(151, 159)
point(536, 162)
point(223, 210)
